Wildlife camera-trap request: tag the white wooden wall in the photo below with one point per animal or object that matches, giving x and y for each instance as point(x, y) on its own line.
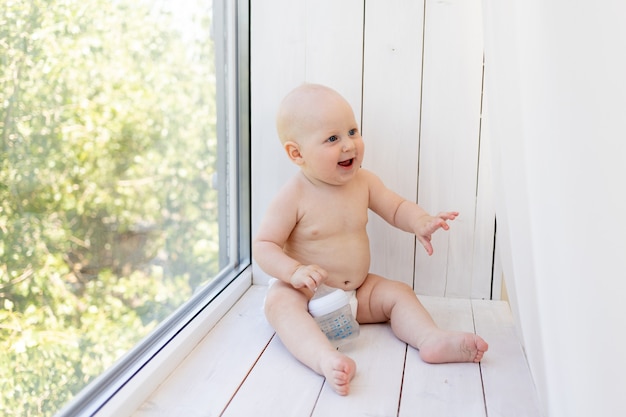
point(412, 71)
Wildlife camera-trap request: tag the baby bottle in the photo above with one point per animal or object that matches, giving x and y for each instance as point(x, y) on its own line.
point(330, 307)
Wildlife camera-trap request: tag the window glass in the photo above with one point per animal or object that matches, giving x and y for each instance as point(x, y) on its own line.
point(114, 192)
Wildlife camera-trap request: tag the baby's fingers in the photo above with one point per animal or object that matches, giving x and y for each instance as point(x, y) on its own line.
point(442, 224)
point(313, 282)
point(440, 220)
point(425, 241)
point(312, 277)
point(448, 215)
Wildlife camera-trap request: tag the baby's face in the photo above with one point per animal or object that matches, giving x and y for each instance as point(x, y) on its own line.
point(330, 142)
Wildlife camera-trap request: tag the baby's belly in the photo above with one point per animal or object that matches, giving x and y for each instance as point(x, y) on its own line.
point(347, 263)
point(349, 275)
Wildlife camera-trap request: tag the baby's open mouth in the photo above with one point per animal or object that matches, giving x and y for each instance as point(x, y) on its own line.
point(347, 162)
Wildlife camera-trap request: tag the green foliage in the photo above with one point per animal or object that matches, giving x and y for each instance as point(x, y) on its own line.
point(107, 218)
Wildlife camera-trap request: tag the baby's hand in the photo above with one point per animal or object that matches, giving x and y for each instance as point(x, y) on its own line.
point(427, 225)
point(309, 276)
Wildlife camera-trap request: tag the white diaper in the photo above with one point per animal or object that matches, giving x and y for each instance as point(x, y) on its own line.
point(354, 304)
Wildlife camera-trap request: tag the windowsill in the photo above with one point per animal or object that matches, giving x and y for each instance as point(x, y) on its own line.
point(169, 358)
point(240, 368)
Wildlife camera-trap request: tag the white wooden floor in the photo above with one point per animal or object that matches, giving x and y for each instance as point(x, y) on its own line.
point(242, 369)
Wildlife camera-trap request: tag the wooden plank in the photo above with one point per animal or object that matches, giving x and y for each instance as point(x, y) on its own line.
point(391, 108)
point(293, 42)
point(234, 361)
point(484, 284)
point(279, 385)
point(452, 82)
point(334, 47)
point(375, 389)
point(277, 64)
point(207, 379)
point(486, 158)
point(443, 389)
point(508, 384)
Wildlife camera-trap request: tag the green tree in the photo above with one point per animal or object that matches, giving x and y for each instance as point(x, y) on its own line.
point(107, 218)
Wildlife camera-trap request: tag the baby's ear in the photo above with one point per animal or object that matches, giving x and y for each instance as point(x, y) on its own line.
point(293, 152)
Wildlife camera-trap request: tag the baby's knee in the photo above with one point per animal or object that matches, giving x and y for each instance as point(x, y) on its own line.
point(402, 290)
point(399, 286)
point(272, 299)
point(281, 296)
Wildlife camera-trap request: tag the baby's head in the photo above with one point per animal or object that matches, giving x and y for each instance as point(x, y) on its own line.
point(319, 133)
point(307, 107)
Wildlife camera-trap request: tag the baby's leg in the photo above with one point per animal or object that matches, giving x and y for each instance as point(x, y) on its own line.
point(287, 311)
point(381, 299)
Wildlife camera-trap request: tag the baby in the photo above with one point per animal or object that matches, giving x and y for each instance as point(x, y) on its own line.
point(314, 233)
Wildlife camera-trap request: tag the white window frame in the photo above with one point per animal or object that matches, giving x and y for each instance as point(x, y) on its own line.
point(127, 384)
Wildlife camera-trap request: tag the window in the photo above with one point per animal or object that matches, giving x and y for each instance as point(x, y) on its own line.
point(124, 189)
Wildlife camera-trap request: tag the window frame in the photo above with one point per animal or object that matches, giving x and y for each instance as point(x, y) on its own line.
point(125, 385)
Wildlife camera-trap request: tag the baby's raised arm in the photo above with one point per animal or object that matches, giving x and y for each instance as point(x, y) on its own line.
point(404, 214)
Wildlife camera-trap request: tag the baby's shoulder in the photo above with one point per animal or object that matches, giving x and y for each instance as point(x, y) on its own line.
point(290, 193)
point(368, 177)
point(296, 185)
point(366, 174)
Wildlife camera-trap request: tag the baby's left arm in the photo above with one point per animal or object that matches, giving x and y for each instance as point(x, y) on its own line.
point(404, 214)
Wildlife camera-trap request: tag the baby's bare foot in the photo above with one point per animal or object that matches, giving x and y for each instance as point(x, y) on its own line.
point(339, 371)
point(442, 347)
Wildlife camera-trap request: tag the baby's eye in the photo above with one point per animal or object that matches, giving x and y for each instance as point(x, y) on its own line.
point(352, 132)
point(333, 138)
